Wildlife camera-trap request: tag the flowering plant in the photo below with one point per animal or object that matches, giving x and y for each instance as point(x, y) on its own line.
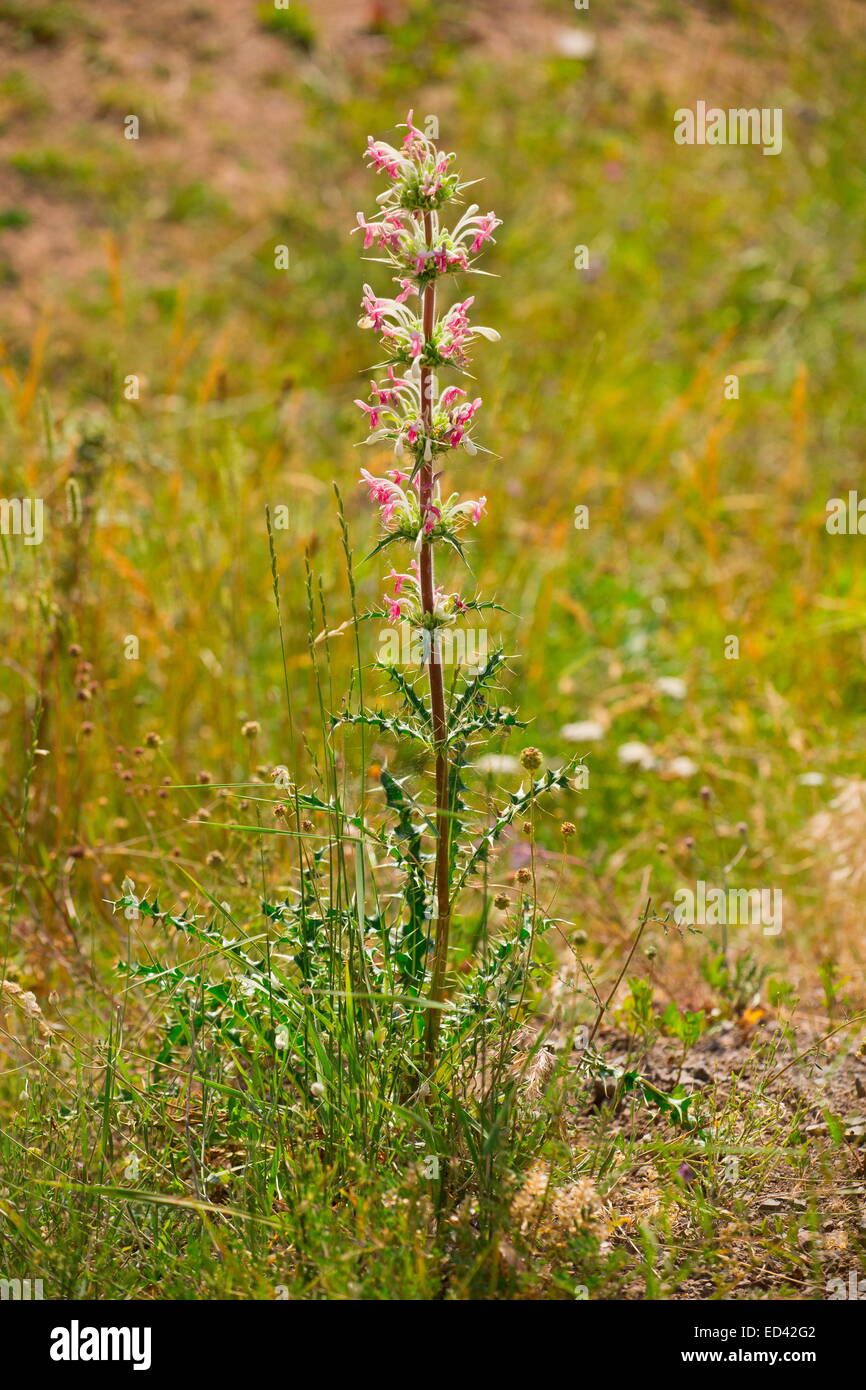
point(423, 420)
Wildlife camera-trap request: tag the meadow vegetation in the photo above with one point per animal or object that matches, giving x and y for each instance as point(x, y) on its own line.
point(213, 1078)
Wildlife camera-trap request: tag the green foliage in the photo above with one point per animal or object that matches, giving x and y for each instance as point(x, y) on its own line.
point(164, 1114)
point(682, 1024)
point(34, 23)
point(290, 22)
point(737, 980)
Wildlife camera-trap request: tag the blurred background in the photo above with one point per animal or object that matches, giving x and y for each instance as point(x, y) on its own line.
point(162, 382)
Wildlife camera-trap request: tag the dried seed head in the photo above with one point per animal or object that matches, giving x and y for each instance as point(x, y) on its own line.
point(549, 1217)
point(27, 1003)
point(568, 828)
point(251, 728)
point(531, 758)
point(523, 876)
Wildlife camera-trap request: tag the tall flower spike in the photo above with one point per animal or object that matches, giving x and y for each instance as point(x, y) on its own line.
point(422, 421)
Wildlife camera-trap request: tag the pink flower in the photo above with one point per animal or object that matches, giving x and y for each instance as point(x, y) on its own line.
point(384, 156)
point(486, 227)
point(373, 311)
point(372, 412)
point(420, 249)
point(388, 233)
point(413, 137)
point(381, 491)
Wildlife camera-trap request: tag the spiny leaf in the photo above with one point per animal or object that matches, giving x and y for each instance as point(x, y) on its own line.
point(518, 804)
point(477, 685)
point(407, 690)
point(390, 725)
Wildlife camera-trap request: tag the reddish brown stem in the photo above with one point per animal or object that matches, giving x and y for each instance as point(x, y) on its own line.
point(437, 692)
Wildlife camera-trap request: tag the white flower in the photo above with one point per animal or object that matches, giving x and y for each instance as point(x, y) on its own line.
point(574, 43)
point(682, 767)
point(498, 763)
point(583, 731)
point(673, 686)
point(811, 779)
point(281, 1039)
point(635, 753)
point(317, 1090)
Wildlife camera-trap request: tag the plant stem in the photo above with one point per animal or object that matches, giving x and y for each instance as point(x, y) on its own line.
point(437, 687)
point(634, 945)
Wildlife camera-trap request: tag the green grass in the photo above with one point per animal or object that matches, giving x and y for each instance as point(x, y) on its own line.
point(41, 24)
point(157, 1157)
point(290, 21)
point(20, 97)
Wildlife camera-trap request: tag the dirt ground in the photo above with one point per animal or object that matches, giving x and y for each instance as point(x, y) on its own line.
point(219, 103)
